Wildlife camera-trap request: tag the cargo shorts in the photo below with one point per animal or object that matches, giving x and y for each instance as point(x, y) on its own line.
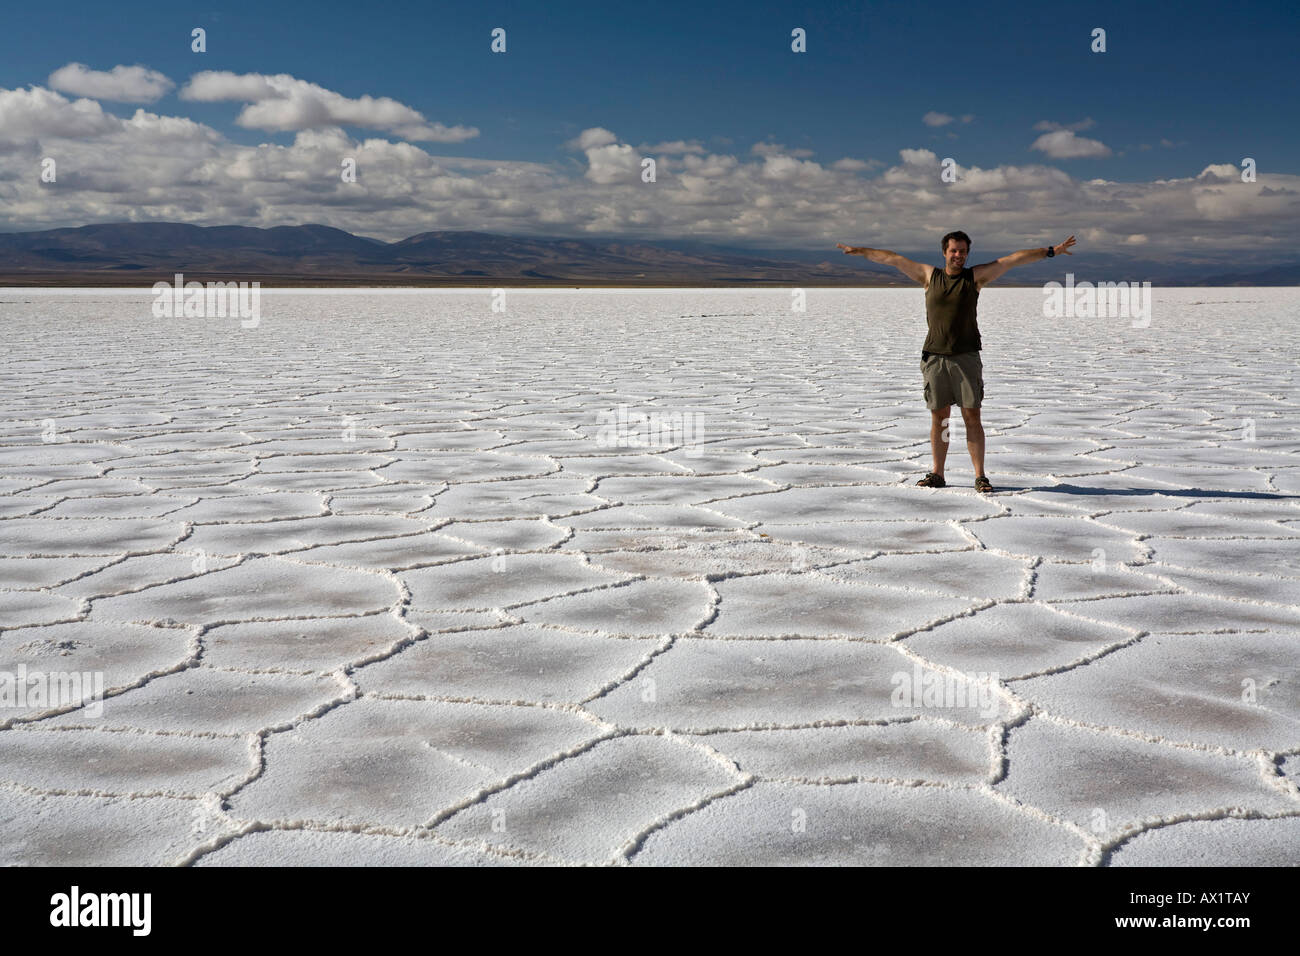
point(953, 380)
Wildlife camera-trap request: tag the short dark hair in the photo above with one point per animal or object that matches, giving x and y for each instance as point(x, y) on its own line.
point(959, 236)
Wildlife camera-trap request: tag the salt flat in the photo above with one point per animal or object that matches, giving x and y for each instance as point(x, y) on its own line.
point(392, 578)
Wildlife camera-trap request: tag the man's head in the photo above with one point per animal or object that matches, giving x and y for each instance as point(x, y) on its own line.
point(956, 246)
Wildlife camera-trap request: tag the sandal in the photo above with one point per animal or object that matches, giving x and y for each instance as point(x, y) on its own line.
point(931, 480)
point(983, 485)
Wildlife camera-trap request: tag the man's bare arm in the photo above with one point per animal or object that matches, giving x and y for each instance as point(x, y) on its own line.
point(917, 271)
point(986, 273)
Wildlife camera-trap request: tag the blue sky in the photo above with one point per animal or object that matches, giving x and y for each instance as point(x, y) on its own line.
point(1182, 87)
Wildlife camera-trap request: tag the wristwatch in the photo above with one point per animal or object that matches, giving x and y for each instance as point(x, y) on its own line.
point(1051, 251)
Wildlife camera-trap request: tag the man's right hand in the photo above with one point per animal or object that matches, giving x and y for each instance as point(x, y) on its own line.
point(913, 270)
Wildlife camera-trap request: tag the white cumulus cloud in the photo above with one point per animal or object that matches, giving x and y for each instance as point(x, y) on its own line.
point(1063, 144)
point(282, 103)
point(589, 138)
point(608, 160)
point(918, 157)
point(122, 84)
point(27, 116)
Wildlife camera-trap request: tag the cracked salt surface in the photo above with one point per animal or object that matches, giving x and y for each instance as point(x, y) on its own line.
point(353, 605)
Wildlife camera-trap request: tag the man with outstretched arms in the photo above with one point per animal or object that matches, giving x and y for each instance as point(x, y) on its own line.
point(950, 358)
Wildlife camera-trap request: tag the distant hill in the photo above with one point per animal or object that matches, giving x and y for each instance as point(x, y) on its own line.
point(135, 253)
point(1277, 275)
point(141, 253)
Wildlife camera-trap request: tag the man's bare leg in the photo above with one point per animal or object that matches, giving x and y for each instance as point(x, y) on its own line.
point(939, 437)
point(974, 438)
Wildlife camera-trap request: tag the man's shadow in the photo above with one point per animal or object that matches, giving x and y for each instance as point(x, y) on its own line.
point(1170, 492)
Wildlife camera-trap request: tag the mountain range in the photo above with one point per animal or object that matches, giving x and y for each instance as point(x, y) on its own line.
point(130, 254)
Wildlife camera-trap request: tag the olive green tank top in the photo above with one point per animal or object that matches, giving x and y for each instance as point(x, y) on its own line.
point(950, 313)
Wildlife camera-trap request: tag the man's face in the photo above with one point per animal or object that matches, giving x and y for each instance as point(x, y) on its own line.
point(955, 254)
